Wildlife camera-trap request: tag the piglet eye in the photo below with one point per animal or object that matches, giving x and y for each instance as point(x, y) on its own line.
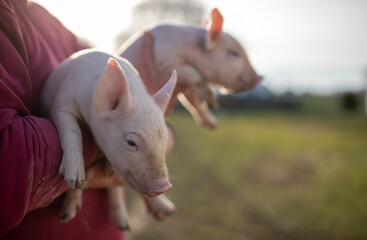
point(233, 53)
point(130, 144)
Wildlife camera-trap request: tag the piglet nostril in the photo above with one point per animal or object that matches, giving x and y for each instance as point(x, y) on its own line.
point(159, 186)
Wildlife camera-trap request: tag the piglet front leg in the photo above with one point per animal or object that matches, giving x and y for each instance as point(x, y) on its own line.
point(72, 163)
point(118, 211)
point(161, 207)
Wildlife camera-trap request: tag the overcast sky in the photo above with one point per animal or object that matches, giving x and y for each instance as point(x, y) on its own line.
point(294, 42)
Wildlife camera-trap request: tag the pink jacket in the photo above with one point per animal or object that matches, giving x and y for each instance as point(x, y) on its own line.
point(32, 44)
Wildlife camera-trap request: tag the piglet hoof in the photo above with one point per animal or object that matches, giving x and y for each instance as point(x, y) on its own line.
point(72, 183)
point(72, 168)
point(160, 207)
point(124, 228)
point(211, 122)
point(72, 204)
point(121, 219)
point(66, 217)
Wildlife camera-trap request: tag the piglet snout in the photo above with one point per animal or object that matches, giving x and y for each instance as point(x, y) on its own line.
point(158, 186)
point(257, 80)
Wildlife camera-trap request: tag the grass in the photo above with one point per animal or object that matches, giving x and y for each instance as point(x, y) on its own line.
point(267, 176)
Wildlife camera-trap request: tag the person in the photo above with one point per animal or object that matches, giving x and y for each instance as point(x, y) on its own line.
point(32, 44)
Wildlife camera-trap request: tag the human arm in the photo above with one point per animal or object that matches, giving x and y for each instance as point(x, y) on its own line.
point(32, 43)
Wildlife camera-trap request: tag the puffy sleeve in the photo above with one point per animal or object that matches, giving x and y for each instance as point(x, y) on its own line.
point(32, 44)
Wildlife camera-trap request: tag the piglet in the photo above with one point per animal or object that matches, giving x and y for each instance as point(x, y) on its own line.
point(202, 56)
point(106, 93)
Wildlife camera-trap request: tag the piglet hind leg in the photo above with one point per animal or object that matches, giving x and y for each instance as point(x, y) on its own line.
point(198, 108)
point(71, 205)
point(160, 207)
point(118, 211)
point(72, 163)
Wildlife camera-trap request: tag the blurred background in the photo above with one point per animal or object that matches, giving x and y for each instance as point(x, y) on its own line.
point(289, 158)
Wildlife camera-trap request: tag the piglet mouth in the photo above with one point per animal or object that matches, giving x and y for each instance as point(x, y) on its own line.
point(249, 84)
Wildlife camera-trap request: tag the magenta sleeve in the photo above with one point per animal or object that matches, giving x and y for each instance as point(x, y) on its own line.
point(32, 44)
point(30, 155)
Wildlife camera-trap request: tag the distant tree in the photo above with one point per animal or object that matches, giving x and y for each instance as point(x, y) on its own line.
point(152, 11)
point(349, 102)
point(188, 11)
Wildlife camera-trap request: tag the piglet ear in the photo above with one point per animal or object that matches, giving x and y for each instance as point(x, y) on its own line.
point(214, 28)
point(112, 90)
point(163, 96)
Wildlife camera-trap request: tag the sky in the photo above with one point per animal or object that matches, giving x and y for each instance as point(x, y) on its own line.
point(317, 46)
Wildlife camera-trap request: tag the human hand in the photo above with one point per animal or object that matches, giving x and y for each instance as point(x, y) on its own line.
point(98, 175)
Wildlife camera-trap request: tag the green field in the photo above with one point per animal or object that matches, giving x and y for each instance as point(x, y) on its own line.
point(267, 175)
